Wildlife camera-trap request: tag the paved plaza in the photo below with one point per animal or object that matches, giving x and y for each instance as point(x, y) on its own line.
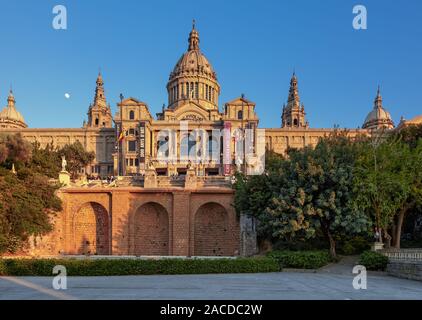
point(272, 286)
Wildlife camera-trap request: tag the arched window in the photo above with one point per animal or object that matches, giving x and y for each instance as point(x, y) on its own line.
point(196, 90)
point(132, 115)
point(97, 121)
point(206, 92)
point(295, 122)
point(240, 115)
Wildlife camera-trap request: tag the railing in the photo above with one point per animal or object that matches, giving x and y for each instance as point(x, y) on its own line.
point(403, 254)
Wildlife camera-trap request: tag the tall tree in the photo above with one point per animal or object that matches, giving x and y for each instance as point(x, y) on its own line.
point(388, 183)
point(27, 199)
point(316, 193)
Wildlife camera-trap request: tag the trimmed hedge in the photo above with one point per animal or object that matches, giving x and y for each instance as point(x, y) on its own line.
point(121, 267)
point(301, 259)
point(373, 261)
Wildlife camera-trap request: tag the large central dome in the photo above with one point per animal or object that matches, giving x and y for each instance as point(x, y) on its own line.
point(193, 78)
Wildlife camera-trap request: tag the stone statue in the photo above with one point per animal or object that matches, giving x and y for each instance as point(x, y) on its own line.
point(64, 163)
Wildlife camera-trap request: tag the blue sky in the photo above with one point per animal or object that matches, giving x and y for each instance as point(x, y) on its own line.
point(254, 47)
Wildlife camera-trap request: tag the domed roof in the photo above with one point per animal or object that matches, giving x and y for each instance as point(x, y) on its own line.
point(378, 117)
point(378, 114)
point(10, 113)
point(415, 120)
point(193, 62)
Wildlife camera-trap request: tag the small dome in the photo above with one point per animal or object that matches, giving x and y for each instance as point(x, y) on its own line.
point(379, 117)
point(10, 116)
point(416, 120)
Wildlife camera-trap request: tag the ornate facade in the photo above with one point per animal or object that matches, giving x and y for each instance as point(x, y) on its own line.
point(166, 203)
point(193, 102)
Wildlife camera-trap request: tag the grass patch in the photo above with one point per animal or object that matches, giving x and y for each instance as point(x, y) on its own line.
point(122, 267)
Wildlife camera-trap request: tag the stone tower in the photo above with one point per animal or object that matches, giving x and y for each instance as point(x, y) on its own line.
point(294, 112)
point(99, 113)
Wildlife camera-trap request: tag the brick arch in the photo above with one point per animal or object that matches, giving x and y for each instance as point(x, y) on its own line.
point(151, 230)
point(91, 229)
point(211, 231)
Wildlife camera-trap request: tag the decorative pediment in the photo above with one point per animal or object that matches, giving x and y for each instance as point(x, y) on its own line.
point(241, 101)
point(132, 101)
point(192, 117)
point(191, 112)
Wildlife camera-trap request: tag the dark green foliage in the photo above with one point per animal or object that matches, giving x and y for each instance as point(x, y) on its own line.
point(45, 160)
point(410, 135)
point(26, 201)
point(301, 259)
point(76, 157)
point(354, 245)
point(27, 198)
point(373, 261)
point(312, 193)
point(119, 267)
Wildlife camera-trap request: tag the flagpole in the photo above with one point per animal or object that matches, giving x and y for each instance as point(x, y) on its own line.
point(121, 166)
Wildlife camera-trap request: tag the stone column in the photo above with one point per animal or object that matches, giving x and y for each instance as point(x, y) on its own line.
point(150, 178)
point(181, 223)
point(248, 242)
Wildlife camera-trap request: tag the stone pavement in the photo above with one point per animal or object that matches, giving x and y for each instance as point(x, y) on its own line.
point(273, 286)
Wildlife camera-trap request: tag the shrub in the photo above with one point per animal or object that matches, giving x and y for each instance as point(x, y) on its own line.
point(373, 260)
point(111, 267)
point(355, 245)
point(301, 259)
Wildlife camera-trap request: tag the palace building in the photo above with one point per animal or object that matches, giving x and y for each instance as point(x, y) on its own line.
point(164, 202)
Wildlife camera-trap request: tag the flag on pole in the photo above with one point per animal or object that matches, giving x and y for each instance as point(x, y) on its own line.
point(121, 136)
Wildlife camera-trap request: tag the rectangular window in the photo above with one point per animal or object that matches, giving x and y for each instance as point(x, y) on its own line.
point(136, 162)
point(131, 146)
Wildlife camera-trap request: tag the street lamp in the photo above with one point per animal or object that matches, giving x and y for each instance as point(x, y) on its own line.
point(121, 153)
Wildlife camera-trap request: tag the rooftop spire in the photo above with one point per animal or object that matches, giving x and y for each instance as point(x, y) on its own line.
point(293, 91)
point(11, 99)
point(193, 38)
point(100, 99)
point(378, 99)
point(100, 81)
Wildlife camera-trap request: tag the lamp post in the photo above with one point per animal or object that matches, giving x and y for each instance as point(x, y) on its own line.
point(121, 151)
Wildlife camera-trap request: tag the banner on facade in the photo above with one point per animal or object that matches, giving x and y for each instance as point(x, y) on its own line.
point(227, 159)
point(142, 142)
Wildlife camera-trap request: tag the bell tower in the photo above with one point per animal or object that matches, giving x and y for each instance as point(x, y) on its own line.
point(294, 112)
point(99, 113)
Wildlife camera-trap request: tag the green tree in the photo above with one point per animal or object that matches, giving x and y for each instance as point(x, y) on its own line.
point(45, 160)
point(27, 199)
point(77, 157)
point(316, 193)
point(388, 182)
